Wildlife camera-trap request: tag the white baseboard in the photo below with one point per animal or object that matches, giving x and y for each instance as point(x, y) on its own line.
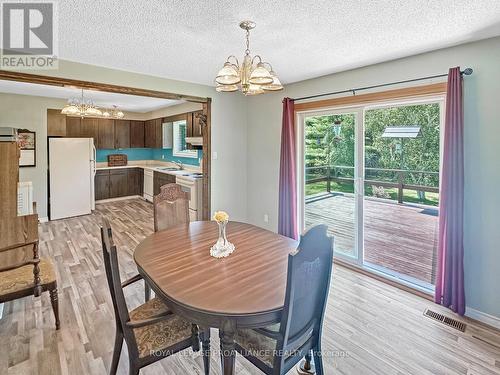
point(43, 219)
point(483, 317)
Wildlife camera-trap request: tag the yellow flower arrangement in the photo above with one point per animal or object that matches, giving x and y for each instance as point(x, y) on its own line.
point(221, 216)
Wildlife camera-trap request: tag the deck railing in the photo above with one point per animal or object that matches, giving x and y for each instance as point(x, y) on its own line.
point(345, 174)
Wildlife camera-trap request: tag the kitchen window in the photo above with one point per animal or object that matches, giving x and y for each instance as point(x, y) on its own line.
point(179, 141)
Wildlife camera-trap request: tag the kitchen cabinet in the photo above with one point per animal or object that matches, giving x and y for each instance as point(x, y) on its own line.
point(135, 181)
point(153, 133)
point(193, 127)
point(89, 129)
point(101, 183)
point(161, 179)
point(73, 127)
point(136, 134)
point(118, 183)
point(122, 134)
point(196, 129)
point(106, 138)
point(56, 123)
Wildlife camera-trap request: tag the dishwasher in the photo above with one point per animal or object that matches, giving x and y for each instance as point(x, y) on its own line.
point(148, 185)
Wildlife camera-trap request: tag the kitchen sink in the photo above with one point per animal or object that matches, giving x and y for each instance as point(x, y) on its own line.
point(170, 169)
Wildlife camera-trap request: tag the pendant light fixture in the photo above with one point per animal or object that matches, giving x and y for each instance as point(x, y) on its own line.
point(254, 76)
point(86, 108)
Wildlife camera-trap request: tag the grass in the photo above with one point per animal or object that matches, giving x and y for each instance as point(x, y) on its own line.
point(409, 196)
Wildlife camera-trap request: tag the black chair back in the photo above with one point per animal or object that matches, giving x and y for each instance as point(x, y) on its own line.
point(308, 283)
point(114, 283)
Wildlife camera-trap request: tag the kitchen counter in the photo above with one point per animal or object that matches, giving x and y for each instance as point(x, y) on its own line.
point(154, 166)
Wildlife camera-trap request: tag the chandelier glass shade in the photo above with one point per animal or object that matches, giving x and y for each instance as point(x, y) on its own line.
point(86, 108)
point(252, 77)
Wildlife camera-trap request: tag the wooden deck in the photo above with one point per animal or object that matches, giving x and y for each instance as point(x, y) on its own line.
point(398, 237)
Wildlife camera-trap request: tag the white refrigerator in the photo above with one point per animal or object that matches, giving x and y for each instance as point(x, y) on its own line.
point(72, 166)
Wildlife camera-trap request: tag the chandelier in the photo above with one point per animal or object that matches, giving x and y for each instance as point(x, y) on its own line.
point(252, 77)
point(86, 108)
point(114, 112)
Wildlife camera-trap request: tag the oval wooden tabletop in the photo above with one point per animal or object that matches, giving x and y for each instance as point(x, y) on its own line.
point(250, 280)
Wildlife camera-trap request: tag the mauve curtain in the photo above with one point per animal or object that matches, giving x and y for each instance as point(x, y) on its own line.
point(450, 269)
point(287, 215)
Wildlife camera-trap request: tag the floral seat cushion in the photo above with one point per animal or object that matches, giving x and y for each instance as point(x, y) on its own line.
point(155, 337)
point(258, 345)
point(22, 278)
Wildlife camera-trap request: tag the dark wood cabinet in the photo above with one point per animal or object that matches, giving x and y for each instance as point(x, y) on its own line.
point(136, 134)
point(106, 137)
point(193, 127)
point(89, 129)
point(135, 181)
point(56, 123)
point(118, 183)
point(153, 133)
point(73, 127)
point(160, 179)
point(101, 185)
point(122, 134)
point(197, 124)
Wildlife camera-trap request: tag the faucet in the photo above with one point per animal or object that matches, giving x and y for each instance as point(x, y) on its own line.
point(179, 164)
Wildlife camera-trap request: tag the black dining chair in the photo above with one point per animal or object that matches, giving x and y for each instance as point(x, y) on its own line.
point(276, 349)
point(152, 331)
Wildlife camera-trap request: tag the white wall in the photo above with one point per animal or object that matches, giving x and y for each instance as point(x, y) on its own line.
point(482, 155)
point(30, 112)
point(228, 132)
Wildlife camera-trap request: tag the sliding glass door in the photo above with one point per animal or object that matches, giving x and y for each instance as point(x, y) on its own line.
point(402, 159)
point(371, 174)
point(331, 174)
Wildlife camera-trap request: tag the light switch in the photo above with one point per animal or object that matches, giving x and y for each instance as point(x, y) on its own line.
point(214, 155)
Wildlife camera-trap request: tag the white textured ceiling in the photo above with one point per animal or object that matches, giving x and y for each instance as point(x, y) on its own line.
point(189, 40)
point(131, 103)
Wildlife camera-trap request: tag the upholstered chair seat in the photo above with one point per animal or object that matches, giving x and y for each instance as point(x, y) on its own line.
point(21, 278)
point(151, 330)
point(258, 345)
point(155, 337)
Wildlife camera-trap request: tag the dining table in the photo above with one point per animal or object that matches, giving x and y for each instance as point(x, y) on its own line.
point(243, 290)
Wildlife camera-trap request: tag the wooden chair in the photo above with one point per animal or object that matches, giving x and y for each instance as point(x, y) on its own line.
point(22, 272)
point(151, 331)
point(170, 207)
point(276, 349)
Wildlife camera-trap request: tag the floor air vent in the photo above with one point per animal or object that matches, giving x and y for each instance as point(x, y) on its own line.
point(445, 320)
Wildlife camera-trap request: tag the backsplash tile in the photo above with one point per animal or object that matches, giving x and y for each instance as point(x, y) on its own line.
point(147, 154)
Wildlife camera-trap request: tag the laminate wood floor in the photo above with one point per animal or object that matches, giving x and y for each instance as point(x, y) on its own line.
point(370, 327)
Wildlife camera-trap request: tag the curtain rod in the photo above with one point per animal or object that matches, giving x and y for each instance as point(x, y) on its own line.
point(467, 72)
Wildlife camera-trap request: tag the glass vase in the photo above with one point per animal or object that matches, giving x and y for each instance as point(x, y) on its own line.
point(222, 247)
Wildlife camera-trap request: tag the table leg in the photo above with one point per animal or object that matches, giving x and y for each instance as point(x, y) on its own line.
point(228, 353)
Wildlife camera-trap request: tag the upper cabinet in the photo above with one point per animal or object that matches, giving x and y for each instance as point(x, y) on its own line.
point(118, 133)
point(73, 127)
point(106, 137)
point(89, 129)
point(122, 133)
point(56, 123)
point(136, 134)
point(153, 133)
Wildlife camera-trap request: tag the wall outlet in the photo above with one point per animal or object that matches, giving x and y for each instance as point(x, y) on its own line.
point(266, 218)
point(163, 156)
